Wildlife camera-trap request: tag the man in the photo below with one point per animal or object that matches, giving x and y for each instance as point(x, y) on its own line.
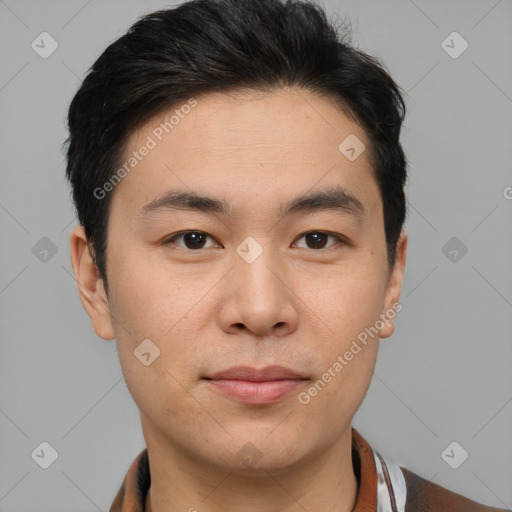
point(239, 181)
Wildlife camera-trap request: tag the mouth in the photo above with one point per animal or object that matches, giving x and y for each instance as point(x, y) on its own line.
point(256, 386)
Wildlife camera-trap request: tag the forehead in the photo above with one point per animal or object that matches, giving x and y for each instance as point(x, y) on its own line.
point(259, 144)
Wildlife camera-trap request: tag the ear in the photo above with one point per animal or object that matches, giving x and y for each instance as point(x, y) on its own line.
point(90, 285)
point(394, 287)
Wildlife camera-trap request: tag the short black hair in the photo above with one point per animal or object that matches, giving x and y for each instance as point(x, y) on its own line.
point(203, 46)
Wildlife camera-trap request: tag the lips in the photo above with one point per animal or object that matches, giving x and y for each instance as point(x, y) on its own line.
point(270, 373)
point(253, 386)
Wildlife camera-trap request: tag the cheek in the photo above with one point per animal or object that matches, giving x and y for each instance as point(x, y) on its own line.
point(338, 392)
point(344, 303)
point(145, 300)
point(147, 303)
point(158, 392)
point(346, 309)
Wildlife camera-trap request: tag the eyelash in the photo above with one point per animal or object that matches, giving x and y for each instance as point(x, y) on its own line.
point(339, 238)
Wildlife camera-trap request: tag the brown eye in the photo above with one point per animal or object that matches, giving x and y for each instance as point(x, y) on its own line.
point(191, 239)
point(318, 239)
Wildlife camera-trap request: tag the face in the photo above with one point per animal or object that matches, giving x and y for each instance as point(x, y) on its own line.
point(258, 275)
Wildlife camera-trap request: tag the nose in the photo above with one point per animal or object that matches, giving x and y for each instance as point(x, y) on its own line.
point(258, 297)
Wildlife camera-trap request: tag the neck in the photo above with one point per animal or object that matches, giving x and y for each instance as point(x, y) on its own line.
point(320, 481)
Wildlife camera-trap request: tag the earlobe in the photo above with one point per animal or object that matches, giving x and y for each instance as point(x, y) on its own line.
point(388, 329)
point(90, 285)
point(394, 287)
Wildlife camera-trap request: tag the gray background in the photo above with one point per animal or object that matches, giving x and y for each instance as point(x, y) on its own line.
point(445, 374)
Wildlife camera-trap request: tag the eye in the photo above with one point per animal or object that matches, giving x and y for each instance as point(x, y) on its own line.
point(318, 239)
point(195, 240)
point(192, 239)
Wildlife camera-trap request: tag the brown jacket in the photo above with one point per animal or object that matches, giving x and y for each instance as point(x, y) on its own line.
point(382, 487)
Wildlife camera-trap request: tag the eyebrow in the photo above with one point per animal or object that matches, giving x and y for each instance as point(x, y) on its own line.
point(335, 198)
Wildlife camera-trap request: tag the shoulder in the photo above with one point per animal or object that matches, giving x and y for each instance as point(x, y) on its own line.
point(425, 496)
point(385, 486)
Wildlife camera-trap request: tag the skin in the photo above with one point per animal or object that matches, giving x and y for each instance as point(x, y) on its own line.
point(208, 309)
